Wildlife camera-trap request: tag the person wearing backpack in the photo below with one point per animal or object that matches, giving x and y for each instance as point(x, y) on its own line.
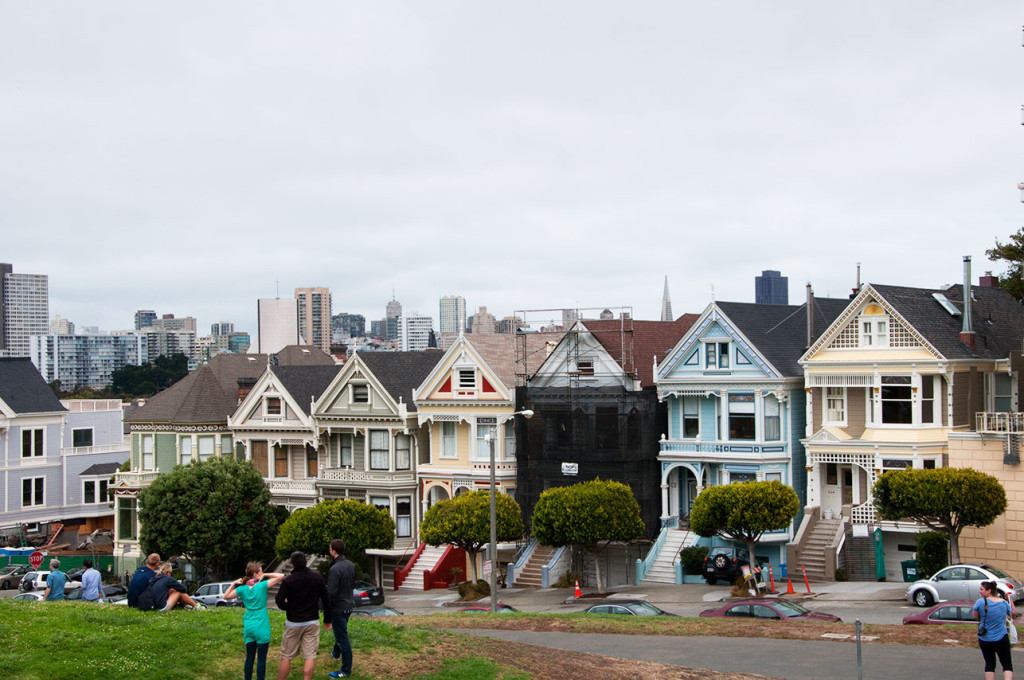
point(140, 580)
point(55, 582)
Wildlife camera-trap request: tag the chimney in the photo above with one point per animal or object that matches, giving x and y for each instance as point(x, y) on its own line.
point(988, 281)
point(967, 334)
point(245, 386)
point(810, 315)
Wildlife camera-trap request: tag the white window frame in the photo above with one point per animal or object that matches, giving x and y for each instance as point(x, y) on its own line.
point(363, 389)
point(465, 378)
point(482, 447)
point(150, 454)
point(375, 464)
point(773, 475)
point(767, 400)
point(400, 451)
point(835, 416)
point(873, 331)
point(36, 450)
point(452, 450)
point(714, 353)
point(403, 523)
point(683, 402)
point(508, 444)
point(185, 450)
point(202, 455)
point(92, 437)
point(37, 491)
point(267, 413)
point(341, 456)
point(100, 486)
point(585, 367)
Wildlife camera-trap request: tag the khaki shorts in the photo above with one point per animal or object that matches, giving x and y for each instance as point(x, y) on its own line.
point(308, 637)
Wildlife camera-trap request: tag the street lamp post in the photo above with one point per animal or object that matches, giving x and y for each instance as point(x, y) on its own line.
point(494, 518)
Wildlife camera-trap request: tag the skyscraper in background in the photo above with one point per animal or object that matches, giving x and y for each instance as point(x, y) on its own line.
point(393, 318)
point(144, 318)
point(771, 288)
point(452, 316)
point(24, 310)
point(666, 304)
point(278, 322)
point(415, 332)
point(314, 310)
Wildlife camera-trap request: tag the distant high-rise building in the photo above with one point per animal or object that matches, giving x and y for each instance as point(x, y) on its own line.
point(452, 317)
point(393, 314)
point(666, 304)
point(86, 360)
point(416, 332)
point(508, 325)
point(315, 316)
point(379, 329)
point(771, 288)
point(144, 318)
point(222, 328)
point(483, 322)
point(569, 317)
point(277, 321)
point(24, 309)
point(347, 325)
point(61, 326)
point(169, 322)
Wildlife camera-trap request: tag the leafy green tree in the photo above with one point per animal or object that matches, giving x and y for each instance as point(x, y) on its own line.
point(588, 515)
point(215, 513)
point(151, 377)
point(360, 525)
point(465, 521)
point(946, 500)
point(743, 512)
point(1012, 253)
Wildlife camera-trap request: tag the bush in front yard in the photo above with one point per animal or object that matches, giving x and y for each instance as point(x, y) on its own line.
point(693, 559)
point(932, 553)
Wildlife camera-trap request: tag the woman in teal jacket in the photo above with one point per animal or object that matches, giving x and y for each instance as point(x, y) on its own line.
point(252, 591)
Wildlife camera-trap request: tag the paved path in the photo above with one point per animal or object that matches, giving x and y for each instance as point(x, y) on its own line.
point(791, 659)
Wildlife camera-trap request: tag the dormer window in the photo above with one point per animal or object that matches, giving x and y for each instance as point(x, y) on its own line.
point(467, 378)
point(585, 367)
point(716, 355)
point(874, 327)
point(360, 394)
point(273, 406)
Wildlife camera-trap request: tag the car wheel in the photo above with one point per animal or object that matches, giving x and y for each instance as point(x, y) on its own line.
point(222, 604)
point(5, 585)
point(721, 561)
point(711, 580)
point(922, 598)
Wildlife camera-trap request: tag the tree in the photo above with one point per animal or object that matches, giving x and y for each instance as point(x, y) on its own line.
point(589, 515)
point(360, 525)
point(946, 500)
point(743, 512)
point(465, 521)
point(1011, 252)
point(151, 377)
point(215, 513)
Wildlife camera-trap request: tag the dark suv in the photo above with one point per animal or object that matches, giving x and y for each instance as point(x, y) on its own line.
point(724, 563)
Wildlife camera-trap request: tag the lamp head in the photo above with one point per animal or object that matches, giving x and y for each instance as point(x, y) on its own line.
point(526, 414)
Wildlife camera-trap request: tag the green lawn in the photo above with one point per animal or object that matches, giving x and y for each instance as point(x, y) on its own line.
point(78, 641)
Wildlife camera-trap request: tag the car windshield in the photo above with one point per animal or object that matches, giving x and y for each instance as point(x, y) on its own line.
point(999, 573)
point(7, 570)
point(644, 609)
point(791, 608)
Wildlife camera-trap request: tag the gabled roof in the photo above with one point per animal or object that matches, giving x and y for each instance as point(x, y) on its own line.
point(497, 349)
point(23, 389)
point(401, 372)
point(997, 319)
point(100, 469)
point(651, 342)
point(305, 383)
point(779, 332)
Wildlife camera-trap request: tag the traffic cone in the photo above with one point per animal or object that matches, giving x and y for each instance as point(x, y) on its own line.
point(789, 587)
point(578, 593)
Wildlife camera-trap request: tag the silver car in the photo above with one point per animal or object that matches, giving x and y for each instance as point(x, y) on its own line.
point(212, 595)
point(961, 582)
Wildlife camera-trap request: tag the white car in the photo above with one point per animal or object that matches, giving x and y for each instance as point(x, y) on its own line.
point(36, 580)
point(960, 582)
point(28, 597)
point(212, 595)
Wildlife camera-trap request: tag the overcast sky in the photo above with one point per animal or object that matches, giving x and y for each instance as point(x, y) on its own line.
point(194, 157)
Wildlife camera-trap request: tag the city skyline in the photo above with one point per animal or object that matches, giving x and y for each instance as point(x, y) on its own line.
point(580, 156)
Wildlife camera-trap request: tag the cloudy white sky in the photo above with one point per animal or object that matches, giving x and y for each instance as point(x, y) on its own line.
point(193, 157)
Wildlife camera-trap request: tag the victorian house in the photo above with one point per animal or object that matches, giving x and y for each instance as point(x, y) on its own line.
point(734, 393)
point(907, 378)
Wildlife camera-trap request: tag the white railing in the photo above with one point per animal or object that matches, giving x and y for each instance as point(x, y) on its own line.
point(135, 478)
point(107, 448)
point(999, 423)
point(864, 513)
point(353, 475)
point(291, 486)
point(91, 405)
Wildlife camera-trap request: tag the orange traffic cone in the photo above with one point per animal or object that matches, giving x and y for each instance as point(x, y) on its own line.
point(789, 587)
point(579, 594)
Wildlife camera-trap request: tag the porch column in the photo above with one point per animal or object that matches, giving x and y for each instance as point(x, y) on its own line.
point(664, 500)
point(856, 483)
point(809, 398)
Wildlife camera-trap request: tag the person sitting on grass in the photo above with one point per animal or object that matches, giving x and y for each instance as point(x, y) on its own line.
point(169, 592)
point(140, 580)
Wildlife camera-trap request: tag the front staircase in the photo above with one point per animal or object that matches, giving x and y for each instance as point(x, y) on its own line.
point(531, 575)
point(663, 569)
point(816, 549)
point(427, 560)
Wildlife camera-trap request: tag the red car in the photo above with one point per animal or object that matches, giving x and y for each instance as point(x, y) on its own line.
point(954, 611)
point(761, 608)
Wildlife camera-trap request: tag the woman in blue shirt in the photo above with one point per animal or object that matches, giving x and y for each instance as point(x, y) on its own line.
point(991, 611)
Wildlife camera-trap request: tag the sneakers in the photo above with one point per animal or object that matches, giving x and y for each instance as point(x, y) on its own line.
point(336, 655)
point(338, 674)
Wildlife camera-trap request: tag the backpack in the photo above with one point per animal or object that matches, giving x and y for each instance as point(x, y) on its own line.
point(147, 601)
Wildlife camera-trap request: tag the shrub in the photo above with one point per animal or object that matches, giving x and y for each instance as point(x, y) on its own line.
point(567, 580)
point(840, 574)
point(693, 558)
point(932, 553)
point(468, 590)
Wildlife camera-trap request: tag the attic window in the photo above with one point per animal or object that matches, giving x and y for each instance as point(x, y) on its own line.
point(360, 394)
point(946, 304)
point(467, 378)
point(874, 327)
point(273, 406)
point(585, 366)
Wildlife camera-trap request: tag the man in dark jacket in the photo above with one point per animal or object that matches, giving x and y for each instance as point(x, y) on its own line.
point(143, 575)
point(297, 597)
point(341, 579)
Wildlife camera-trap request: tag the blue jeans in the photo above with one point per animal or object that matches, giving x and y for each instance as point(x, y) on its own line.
point(339, 624)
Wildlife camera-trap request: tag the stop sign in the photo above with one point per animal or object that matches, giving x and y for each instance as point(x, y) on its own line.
point(35, 559)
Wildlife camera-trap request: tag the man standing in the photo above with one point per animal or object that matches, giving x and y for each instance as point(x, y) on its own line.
point(143, 575)
point(297, 597)
point(341, 580)
point(55, 582)
point(90, 582)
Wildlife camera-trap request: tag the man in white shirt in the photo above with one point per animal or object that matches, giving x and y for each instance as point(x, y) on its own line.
point(90, 582)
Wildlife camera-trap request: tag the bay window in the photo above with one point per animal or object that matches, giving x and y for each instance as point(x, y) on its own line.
point(485, 429)
point(448, 442)
point(403, 457)
point(772, 419)
point(897, 400)
point(691, 417)
point(742, 425)
point(380, 449)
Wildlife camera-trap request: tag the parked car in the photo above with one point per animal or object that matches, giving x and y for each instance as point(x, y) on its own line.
point(36, 580)
point(364, 593)
point(763, 608)
point(960, 582)
point(110, 594)
point(75, 574)
point(28, 597)
point(629, 607)
point(377, 610)
point(955, 611)
point(486, 608)
point(10, 576)
point(725, 563)
point(212, 595)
